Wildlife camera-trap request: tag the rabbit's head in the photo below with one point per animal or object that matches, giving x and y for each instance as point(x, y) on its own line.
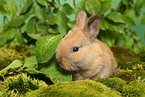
point(76, 50)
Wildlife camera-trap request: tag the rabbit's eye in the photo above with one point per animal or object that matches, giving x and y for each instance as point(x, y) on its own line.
point(75, 49)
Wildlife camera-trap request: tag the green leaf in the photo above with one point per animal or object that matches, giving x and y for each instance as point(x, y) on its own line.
point(143, 19)
point(42, 29)
point(54, 74)
point(30, 29)
point(105, 6)
point(71, 24)
point(67, 9)
point(79, 7)
point(127, 2)
point(39, 12)
point(129, 22)
point(108, 37)
point(31, 63)
point(13, 8)
point(117, 27)
point(121, 40)
point(34, 36)
point(130, 12)
point(138, 5)
point(42, 2)
point(62, 22)
point(15, 64)
point(8, 34)
point(46, 47)
point(102, 25)
point(2, 2)
point(2, 28)
point(116, 17)
point(93, 6)
point(129, 43)
point(52, 19)
point(18, 38)
point(2, 42)
point(18, 20)
point(4, 9)
point(26, 6)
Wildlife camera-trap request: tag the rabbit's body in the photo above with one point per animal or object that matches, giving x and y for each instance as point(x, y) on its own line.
point(80, 52)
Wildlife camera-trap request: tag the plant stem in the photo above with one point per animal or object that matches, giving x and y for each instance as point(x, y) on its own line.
point(74, 2)
point(20, 4)
point(4, 19)
point(3, 77)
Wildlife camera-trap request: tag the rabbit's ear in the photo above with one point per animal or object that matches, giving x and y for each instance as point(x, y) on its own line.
point(92, 26)
point(81, 19)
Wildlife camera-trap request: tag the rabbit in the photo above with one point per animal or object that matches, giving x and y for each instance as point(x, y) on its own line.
point(83, 54)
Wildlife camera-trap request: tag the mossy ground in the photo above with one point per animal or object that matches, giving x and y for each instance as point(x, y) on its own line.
point(125, 57)
point(19, 85)
point(87, 88)
point(129, 82)
point(107, 87)
point(10, 52)
point(130, 75)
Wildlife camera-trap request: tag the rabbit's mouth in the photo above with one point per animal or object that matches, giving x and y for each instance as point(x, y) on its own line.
point(65, 64)
point(68, 66)
point(76, 67)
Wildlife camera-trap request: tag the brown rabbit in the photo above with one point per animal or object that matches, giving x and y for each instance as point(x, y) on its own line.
point(80, 52)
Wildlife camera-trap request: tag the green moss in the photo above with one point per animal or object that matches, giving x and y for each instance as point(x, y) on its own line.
point(113, 83)
point(1, 87)
point(125, 57)
point(129, 75)
point(7, 93)
point(22, 84)
point(87, 88)
point(134, 89)
point(10, 52)
point(142, 55)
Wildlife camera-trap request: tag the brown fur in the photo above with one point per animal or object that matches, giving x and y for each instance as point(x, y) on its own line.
point(93, 59)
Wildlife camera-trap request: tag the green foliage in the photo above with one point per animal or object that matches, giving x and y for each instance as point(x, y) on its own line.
point(22, 84)
point(36, 18)
point(85, 88)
